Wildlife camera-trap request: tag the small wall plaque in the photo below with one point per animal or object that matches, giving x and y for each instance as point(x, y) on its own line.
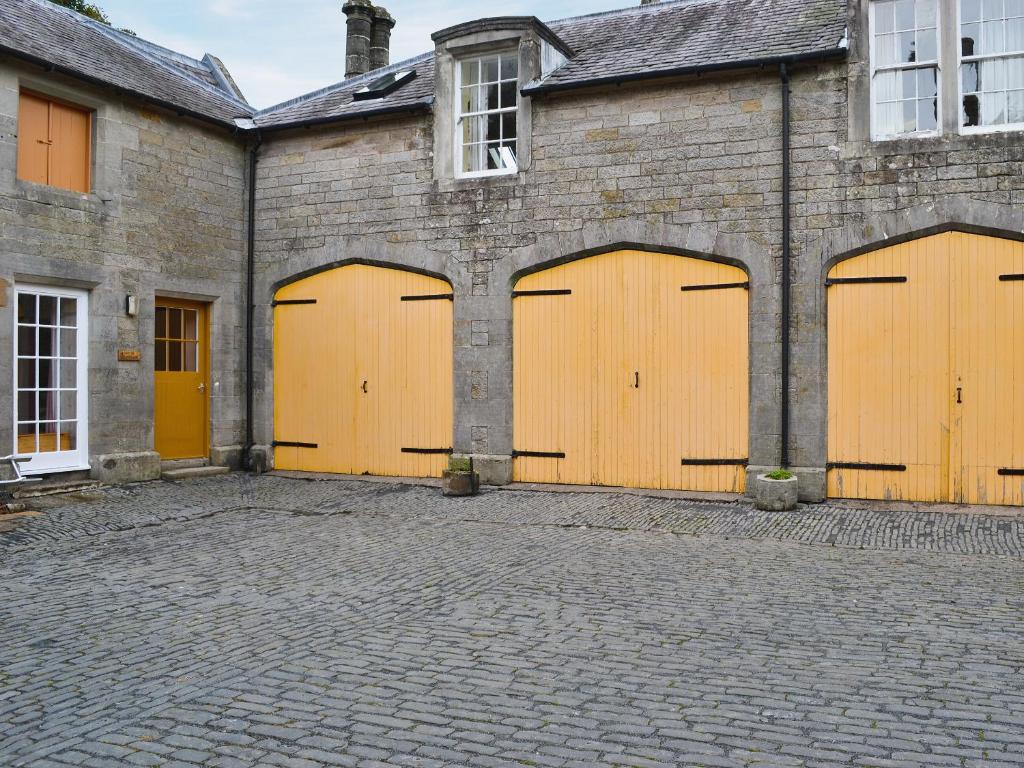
point(129, 356)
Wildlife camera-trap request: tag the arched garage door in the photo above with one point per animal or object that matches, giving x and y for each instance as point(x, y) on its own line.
point(363, 373)
point(926, 372)
point(631, 369)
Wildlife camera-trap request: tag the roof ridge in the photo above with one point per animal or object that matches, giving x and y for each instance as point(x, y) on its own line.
point(140, 45)
point(365, 77)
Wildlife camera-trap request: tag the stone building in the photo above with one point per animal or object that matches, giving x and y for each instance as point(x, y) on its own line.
point(666, 246)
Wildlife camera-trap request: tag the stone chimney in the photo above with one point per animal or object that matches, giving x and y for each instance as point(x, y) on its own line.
point(359, 25)
point(380, 38)
point(368, 40)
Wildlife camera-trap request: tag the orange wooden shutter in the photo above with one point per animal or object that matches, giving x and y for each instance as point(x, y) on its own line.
point(33, 139)
point(69, 153)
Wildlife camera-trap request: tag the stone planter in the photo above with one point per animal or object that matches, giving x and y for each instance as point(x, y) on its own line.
point(460, 479)
point(458, 483)
point(776, 495)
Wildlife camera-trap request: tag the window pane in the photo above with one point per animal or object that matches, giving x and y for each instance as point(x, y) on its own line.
point(191, 356)
point(509, 67)
point(1015, 35)
point(909, 117)
point(970, 10)
point(970, 40)
point(160, 356)
point(69, 312)
point(27, 341)
point(48, 437)
point(906, 49)
point(508, 125)
point(174, 323)
point(992, 9)
point(904, 15)
point(161, 323)
point(191, 324)
point(927, 46)
point(27, 406)
point(927, 14)
point(27, 374)
point(47, 403)
point(47, 310)
point(927, 82)
point(1015, 107)
point(471, 100)
point(27, 438)
point(884, 17)
point(1014, 8)
point(174, 356)
point(508, 94)
point(68, 435)
point(47, 342)
point(68, 375)
point(991, 37)
point(969, 75)
point(68, 405)
point(927, 118)
point(490, 74)
point(470, 72)
point(47, 373)
point(490, 96)
point(26, 308)
point(474, 129)
point(68, 342)
point(908, 83)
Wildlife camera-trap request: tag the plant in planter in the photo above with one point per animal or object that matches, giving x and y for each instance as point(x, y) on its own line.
point(460, 479)
point(776, 491)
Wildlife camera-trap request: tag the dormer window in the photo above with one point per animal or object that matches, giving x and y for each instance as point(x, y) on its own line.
point(487, 114)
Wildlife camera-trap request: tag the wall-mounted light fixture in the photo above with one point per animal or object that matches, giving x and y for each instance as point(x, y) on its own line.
point(131, 305)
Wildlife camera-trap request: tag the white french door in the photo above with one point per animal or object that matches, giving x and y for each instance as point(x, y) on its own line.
point(50, 378)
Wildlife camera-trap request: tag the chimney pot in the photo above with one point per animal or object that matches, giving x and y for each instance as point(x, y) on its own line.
point(359, 26)
point(380, 38)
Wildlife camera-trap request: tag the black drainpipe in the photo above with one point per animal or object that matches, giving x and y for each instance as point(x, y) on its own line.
point(250, 299)
point(786, 254)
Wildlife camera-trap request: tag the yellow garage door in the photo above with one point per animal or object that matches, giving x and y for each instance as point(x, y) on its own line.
point(631, 369)
point(926, 372)
point(363, 373)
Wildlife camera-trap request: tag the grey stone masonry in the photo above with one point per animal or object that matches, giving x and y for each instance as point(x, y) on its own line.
point(165, 218)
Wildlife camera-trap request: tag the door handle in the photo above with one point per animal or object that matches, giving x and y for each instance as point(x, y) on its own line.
point(636, 380)
point(959, 395)
point(202, 387)
point(365, 390)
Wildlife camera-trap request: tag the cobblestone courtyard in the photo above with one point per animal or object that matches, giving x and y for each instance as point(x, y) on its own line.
point(281, 622)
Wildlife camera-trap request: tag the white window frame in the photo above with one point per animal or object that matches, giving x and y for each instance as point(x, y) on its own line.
point(58, 461)
point(873, 70)
point(968, 130)
point(457, 102)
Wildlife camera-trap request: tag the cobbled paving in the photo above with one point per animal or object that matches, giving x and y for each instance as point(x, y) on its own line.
point(270, 621)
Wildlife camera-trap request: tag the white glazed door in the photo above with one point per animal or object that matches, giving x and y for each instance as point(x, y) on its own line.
point(50, 379)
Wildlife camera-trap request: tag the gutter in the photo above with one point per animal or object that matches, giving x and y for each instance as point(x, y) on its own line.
point(250, 300)
point(829, 53)
point(786, 260)
point(70, 72)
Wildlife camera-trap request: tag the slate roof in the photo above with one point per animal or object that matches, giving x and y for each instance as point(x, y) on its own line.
point(633, 43)
point(693, 34)
point(40, 31)
point(335, 101)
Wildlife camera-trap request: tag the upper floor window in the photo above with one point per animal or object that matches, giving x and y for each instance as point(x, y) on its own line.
point(488, 89)
point(54, 143)
point(905, 40)
point(992, 63)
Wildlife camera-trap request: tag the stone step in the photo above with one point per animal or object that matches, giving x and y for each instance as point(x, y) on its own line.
point(55, 488)
point(191, 473)
point(170, 464)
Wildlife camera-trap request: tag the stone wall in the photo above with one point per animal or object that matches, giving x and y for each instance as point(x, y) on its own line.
point(166, 217)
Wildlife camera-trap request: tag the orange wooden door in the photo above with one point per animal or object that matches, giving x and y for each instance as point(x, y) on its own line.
point(33, 139)
point(181, 379)
point(926, 372)
point(623, 378)
point(54, 143)
point(363, 360)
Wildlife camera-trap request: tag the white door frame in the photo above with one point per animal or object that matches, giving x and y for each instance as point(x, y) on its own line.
point(56, 461)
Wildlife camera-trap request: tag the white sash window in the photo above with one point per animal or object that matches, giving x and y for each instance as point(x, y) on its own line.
point(486, 115)
point(991, 64)
point(50, 378)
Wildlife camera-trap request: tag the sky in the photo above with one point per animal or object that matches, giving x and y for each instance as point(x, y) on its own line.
point(280, 49)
